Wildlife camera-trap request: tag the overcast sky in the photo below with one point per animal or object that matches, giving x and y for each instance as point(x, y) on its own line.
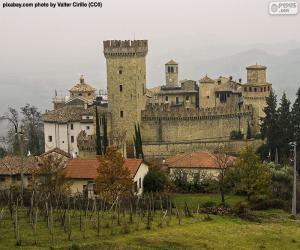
point(46, 49)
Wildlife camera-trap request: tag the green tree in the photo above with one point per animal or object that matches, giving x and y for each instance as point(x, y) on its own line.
point(249, 132)
point(285, 130)
point(137, 138)
point(254, 177)
point(296, 124)
point(33, 128)
point(98, 134)
point(105, 136)
point(269, 126)
point(282, 181)
point(3, 152)
point(296, 116)
point(154, 181)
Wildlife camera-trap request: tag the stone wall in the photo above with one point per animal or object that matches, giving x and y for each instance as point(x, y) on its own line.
point(166, 149)
point(172, 126)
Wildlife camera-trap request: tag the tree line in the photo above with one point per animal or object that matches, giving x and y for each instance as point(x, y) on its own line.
point(279, 127)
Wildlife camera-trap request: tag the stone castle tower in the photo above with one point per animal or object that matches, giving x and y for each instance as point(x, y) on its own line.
point(256, 89)
point(126, 85)
point(171, 73)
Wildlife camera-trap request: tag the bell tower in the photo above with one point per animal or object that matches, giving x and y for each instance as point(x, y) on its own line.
point(171, 68)
point(126, 85)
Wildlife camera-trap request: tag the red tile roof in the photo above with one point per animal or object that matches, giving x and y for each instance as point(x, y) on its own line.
point(200, 159)
point(12, 165)
point(58, 151)
point(133, 165)
point(87, 168)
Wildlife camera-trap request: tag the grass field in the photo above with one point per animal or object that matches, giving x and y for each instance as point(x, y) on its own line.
point(194, 199)
point(276, 231)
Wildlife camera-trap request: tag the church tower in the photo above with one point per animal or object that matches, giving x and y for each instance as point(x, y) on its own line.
point(126, 85)
point(171, 73)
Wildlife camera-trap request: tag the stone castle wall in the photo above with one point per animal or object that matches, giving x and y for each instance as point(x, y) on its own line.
point(166, 149)
point(193, 125)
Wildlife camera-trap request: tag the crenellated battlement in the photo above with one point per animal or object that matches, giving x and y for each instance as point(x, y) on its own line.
point(158, 113)
point(119, 48)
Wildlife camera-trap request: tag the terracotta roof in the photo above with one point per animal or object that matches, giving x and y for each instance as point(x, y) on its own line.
point(71, 113)
point(87, 168)
point(64, 114)
point(200, 159)
point(155, 89)
point(58, 151)
point(256, 66)
point(206, 79)
point(82, 87)
point(171, 62)
point(11, 165)
point(133, 165)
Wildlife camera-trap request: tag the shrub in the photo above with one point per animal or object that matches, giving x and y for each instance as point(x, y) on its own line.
point(270, 204)
point(242, 208)
point(154, 181)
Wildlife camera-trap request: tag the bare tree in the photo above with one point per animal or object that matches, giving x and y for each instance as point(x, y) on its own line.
point(224, 162)
point(13, 118)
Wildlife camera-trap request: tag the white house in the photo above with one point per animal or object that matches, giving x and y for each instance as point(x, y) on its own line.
point(70, 116)
point(83, 172)
point(197, 164)
point(62, 126)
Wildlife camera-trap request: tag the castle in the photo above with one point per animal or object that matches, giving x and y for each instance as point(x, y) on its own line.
point(177, 116)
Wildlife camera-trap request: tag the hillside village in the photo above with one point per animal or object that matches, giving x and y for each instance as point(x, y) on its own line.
point(113, 162)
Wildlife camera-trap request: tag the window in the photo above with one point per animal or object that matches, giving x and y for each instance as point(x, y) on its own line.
point(170, 69)
point(223, 97)
point(135, 185)
point(121, 87)
point(177, 100)
point(121, 114)
point(207, 97)
point(120, 72)
point(89, 94)
point(255, 89)
point(250, 89)
point(140, 182)
point(265, 89)
point(245, 89)
point(167, 98)
point(80, 94)
point(187, 98)
point(87, 127)
point(72, 126)
point(72, 139)
point(87, 117)
point(49, 138)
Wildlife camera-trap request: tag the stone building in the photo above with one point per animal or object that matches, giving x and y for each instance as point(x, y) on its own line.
point(126, 85)
point(184, 112)
point(72, 115)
